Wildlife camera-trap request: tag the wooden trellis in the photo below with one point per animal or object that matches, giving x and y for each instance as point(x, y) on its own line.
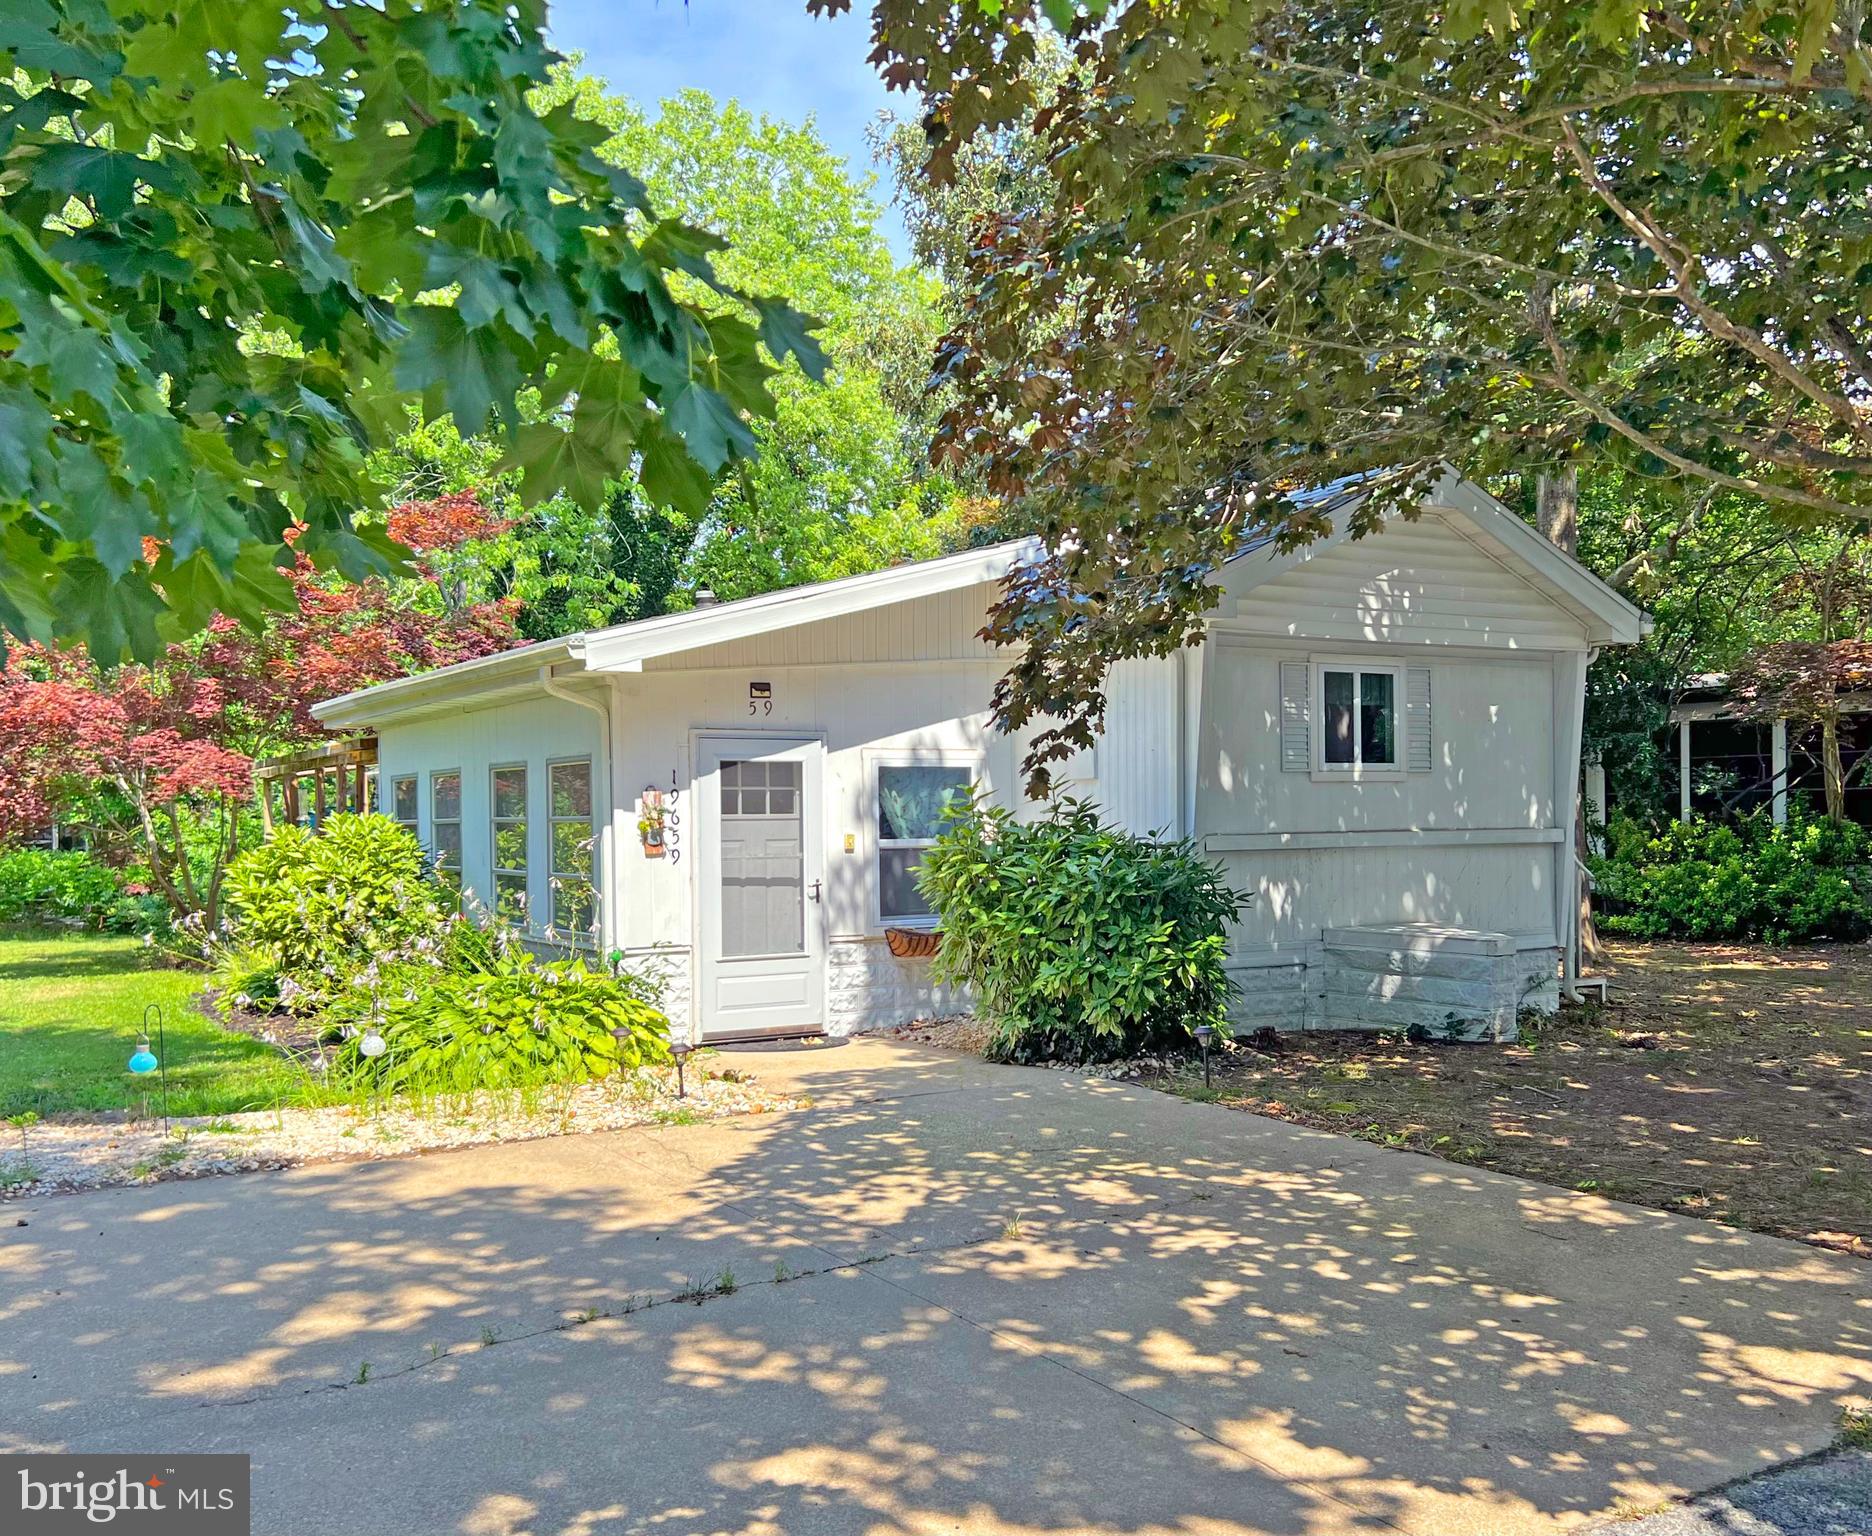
point(306, 787)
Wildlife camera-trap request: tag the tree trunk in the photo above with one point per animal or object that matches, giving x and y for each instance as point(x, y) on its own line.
point(1556, 510)
point(1831, 767)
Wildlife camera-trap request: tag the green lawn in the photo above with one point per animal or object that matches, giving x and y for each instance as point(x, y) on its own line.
point(70, 1009)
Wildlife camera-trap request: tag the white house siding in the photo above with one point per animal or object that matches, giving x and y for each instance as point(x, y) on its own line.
point(534, 732)
point(1473, 844)
point(1416, 582)
point(1136, 766)
point(913, 677)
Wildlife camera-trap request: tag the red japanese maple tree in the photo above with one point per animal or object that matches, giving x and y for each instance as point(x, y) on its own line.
point(154, 758)
point(1813, 683)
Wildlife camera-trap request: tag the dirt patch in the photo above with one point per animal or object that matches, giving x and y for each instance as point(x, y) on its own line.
point(1728, 1082)
point(955, 1032)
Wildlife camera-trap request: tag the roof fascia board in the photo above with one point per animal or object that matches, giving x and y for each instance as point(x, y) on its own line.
point(1620, 621)
point(627, 647)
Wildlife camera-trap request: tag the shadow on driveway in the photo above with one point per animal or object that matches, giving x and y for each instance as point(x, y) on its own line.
point(948, 1297)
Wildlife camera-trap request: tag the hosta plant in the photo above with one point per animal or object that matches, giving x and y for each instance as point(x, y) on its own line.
point(512, 1022)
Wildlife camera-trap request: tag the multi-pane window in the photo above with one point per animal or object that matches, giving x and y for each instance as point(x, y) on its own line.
point(911, 802)
point(763, 858)
point(403, 795)
point(445, 837)
point(510, 843)
point(1358, 718)
point(574, 897)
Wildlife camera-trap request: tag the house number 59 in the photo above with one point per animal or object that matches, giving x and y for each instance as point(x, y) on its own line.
point(760, 698)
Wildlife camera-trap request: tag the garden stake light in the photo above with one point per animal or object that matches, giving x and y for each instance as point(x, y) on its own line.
point(1204, 1034)
point(680, 1050)
point(143, 1062)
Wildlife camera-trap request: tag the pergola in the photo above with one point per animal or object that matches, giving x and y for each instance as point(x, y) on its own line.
point(316, 783)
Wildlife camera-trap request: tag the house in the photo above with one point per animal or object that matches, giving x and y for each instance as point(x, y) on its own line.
point(1729, 764)
point(1378, 736)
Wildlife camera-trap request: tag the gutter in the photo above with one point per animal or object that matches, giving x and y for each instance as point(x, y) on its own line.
point(369, 706)
point(607, 829)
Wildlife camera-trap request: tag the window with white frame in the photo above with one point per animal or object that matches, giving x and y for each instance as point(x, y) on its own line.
point(574, 896)
point(509, 816)
point(403, 798)
point(911, 799)
point(445, 837)
point(1358, 717)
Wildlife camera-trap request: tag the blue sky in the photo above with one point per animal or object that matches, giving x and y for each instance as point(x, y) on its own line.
point(769, 54)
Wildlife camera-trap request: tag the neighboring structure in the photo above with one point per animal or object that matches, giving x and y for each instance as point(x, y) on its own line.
point(1729, 765)
point(1379, 737)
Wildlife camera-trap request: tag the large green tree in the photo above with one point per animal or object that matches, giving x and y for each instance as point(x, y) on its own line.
point(1303, 241)
point(238, 241)
point(839, 481)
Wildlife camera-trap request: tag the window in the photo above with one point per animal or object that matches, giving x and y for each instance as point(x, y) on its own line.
point(445, 840)
point(510, 844)
point(763, 857)
point(911, 798)
point(1358, 718)
point(574, 897)
point(403, 800)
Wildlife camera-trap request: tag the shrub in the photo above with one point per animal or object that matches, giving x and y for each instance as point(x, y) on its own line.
point(313, 908)
point(38, 885)
point(486, 1014)
point(1793, 884)
point(1081, 942)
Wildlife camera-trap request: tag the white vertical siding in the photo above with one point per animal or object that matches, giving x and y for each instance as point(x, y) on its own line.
point(1139, 756)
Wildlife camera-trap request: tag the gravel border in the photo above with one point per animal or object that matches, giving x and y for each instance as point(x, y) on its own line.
point(94, 1154)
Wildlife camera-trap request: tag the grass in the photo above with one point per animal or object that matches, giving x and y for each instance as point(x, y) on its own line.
point(71, 1005)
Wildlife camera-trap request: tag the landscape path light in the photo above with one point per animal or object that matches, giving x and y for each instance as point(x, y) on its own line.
point(1204, 1034)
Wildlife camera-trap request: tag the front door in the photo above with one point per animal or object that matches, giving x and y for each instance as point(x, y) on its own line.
point(762, 884)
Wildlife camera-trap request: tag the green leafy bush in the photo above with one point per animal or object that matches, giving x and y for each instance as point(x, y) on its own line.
point(1807, 880)
point(310, 909)
point(484, 1013)
point(38, 885)
point(1081, 942)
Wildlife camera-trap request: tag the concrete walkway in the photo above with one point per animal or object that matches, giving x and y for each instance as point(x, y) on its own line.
point(948, 1297)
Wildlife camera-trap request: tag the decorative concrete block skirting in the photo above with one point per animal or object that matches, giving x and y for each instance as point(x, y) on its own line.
point(1455, 983)
point(867, 987)
point(1452, 983)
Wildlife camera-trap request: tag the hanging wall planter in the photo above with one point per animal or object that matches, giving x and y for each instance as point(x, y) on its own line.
point(652, 822)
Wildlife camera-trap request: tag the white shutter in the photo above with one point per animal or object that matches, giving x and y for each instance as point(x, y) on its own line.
point(1296, 706)
point(1419, 753)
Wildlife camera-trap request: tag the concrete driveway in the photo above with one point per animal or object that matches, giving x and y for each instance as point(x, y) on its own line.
point(948, 1297)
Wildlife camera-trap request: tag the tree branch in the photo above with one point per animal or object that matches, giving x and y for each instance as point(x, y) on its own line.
point(1681, 265)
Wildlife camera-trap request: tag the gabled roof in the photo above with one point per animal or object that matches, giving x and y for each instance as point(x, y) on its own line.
point(626, 647)
point(1610, 619)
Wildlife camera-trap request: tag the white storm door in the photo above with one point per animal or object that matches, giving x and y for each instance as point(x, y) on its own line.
point(762, 885)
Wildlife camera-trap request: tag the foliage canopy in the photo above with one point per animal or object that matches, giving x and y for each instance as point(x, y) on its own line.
point(238, 241)
point(1297, 242)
